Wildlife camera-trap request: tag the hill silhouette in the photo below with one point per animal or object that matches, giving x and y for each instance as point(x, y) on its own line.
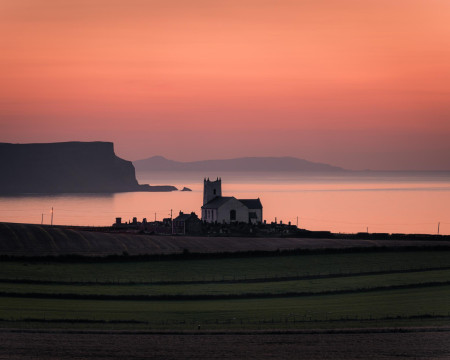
point(160, 163)
point(45, 240)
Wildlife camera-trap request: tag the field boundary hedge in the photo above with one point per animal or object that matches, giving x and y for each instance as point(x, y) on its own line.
point(188, 332)
point(187, 255)
point(223, 281)
point(179, 297)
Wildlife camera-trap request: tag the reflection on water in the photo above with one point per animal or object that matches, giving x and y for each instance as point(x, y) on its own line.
point(381, 202)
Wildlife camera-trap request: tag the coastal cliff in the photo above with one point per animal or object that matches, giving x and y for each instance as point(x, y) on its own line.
point(68, 167)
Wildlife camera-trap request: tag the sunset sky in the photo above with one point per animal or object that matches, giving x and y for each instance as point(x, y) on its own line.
point(358, 84)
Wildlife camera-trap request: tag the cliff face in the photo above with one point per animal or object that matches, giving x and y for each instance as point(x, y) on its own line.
point(69, 167)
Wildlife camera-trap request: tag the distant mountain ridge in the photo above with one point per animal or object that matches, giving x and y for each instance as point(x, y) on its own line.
point(160, 163)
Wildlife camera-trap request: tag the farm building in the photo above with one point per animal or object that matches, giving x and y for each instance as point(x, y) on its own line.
point(228, 209)
point(187, 224)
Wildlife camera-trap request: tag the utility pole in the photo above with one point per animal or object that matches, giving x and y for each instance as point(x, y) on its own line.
point(42, 218)
point(439, 224)
point(155, 218)
point(171, 220)
point(52, 217)
point(297, 221)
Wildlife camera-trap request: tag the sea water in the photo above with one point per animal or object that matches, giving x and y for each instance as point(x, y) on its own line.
point(400, 202)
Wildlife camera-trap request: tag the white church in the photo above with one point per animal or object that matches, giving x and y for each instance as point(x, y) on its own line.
point(228, 209)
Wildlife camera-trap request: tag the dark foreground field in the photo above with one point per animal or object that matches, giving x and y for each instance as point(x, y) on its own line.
point(235, 298)
point(414, 344)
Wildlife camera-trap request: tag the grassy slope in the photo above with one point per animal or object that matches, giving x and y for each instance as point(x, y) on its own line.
point(223, 269)
point(216, 289)
point(263, 275)
point(230, 313)
point(307, 311)
point(37, 240)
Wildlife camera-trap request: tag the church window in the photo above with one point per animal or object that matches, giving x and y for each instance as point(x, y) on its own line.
point(232, 215)
point(214, 191)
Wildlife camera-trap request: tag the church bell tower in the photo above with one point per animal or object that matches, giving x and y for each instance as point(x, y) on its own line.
point(211, 189)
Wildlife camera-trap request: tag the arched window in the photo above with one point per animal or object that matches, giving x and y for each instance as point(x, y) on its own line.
point(232, 215)
point(214, 191)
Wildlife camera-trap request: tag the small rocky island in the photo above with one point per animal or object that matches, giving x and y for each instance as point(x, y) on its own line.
point(67, 167)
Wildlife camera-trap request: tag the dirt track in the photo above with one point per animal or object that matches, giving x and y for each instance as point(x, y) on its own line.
point(63, 345)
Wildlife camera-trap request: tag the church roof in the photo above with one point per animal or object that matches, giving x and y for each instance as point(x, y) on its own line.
point(220, 200)
point(252, 203)
point(186, 217)
point(183, 217)
point(217, 202)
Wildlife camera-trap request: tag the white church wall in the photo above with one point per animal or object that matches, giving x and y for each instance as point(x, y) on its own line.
point(209, 215)
point(232, 204)
point(258, 215)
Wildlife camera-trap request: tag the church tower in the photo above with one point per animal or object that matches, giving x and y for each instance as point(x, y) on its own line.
point(211, 189)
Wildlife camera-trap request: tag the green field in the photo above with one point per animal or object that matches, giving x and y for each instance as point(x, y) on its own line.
point(225, 268)
point(217, 289)
point(324, 290)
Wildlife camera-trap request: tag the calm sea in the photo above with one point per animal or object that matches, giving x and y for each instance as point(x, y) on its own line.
point(354, 202)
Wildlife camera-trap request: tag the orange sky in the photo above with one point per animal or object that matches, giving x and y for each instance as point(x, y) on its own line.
point(359, 84)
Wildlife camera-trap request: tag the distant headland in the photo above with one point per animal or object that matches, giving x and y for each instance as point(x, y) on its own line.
point(67, 167)
point(266, 164)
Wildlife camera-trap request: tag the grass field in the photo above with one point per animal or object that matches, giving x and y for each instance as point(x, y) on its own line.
point(216, 289)
point(223, 269)
point(396, 307)
point(296, 291)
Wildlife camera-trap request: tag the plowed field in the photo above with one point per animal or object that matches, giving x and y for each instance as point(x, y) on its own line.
point(415, 344)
